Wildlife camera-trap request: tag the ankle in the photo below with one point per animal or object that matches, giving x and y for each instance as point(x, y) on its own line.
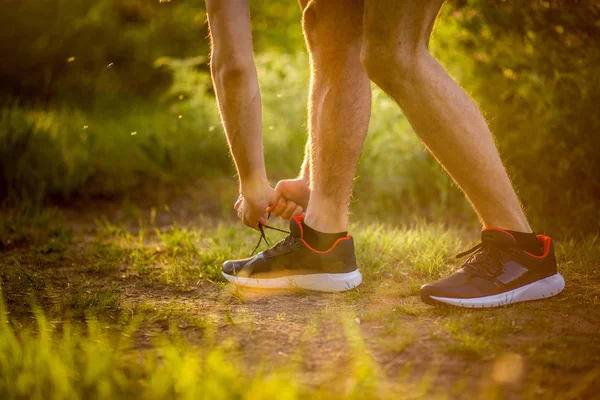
point(325, 215)
point(326, 223)
point(528, 242)
point(320, 241)
point(516, 225)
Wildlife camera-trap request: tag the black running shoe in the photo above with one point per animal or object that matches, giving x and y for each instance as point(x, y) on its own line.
point(292, 263)
point(499, 273)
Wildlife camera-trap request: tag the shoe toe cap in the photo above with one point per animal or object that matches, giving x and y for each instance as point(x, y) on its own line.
point(231, 267)
point(427, 291)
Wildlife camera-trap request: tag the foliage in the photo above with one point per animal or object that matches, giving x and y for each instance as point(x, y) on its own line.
point(88, 51)
point(76, 50)
point(64, 152)
point(531, 65)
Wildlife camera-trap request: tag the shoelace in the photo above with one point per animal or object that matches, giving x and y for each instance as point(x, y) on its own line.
point(262, 227)
point(470, 251)
point(485, 249)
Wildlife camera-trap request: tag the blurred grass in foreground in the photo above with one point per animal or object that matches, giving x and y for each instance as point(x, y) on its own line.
point(55, 360)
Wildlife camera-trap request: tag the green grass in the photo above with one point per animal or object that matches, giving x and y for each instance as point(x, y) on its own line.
point(90, 361)
point(130, 309)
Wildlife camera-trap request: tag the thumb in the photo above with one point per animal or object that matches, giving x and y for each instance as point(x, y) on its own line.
point(273, 200)
point(280, 188)
point(264, 219)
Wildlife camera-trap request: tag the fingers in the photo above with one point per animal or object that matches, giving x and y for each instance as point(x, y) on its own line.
point(251, 222)
point(289, 210)
point(274, 201)
point(280, 188)
point(279, 208)
point(285, 209)
point(264, 220)
point(244, 216)
point(294, 189)
point(284, 189)
point(298, 211)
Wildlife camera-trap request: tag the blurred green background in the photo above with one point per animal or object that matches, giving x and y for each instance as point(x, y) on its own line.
point(106, 97)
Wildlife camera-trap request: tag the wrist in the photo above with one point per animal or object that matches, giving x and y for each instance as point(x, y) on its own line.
point(250, 185)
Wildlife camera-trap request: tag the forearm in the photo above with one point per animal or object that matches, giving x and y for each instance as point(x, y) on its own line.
point(239, 101)
point(236, 86)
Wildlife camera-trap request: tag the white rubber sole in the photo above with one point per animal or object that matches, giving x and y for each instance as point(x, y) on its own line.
point(547, 287)
point(317, 282)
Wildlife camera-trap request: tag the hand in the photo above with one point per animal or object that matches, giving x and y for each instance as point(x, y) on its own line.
point(252, 205)
point(292, 198)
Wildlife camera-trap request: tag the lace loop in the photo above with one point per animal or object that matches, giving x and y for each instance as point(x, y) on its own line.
point(483, 259)
point(262, 227)
point(470, 251)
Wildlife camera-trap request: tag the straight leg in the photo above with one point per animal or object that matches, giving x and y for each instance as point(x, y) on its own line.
point(339, 108)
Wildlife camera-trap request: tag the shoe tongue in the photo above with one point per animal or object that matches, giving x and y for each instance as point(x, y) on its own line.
point(296, 226)
point(498, 237)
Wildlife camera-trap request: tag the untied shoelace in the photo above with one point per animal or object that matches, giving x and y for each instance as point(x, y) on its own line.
point(262, 227)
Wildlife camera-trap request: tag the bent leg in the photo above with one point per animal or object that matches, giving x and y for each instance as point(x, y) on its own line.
point(396, 58)
point(339, 108)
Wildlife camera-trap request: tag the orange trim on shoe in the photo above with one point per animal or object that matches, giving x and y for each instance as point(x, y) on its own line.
point(299, 219)
point(326, 251)
point(546, 241)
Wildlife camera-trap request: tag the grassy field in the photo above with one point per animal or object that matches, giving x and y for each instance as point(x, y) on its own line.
point(125, 300)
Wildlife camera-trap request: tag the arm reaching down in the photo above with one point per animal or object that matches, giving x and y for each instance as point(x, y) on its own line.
point(238, 96)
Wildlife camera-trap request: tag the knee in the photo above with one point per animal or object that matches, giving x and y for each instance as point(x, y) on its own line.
point(329, 33)
point(389, 61)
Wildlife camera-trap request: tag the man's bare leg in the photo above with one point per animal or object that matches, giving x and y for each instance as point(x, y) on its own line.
point(512, 264)
point(339, 108)
point(396, 57)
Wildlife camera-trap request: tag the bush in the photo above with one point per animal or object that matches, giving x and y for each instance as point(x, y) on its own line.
point(64, 152)
point(76, 51)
